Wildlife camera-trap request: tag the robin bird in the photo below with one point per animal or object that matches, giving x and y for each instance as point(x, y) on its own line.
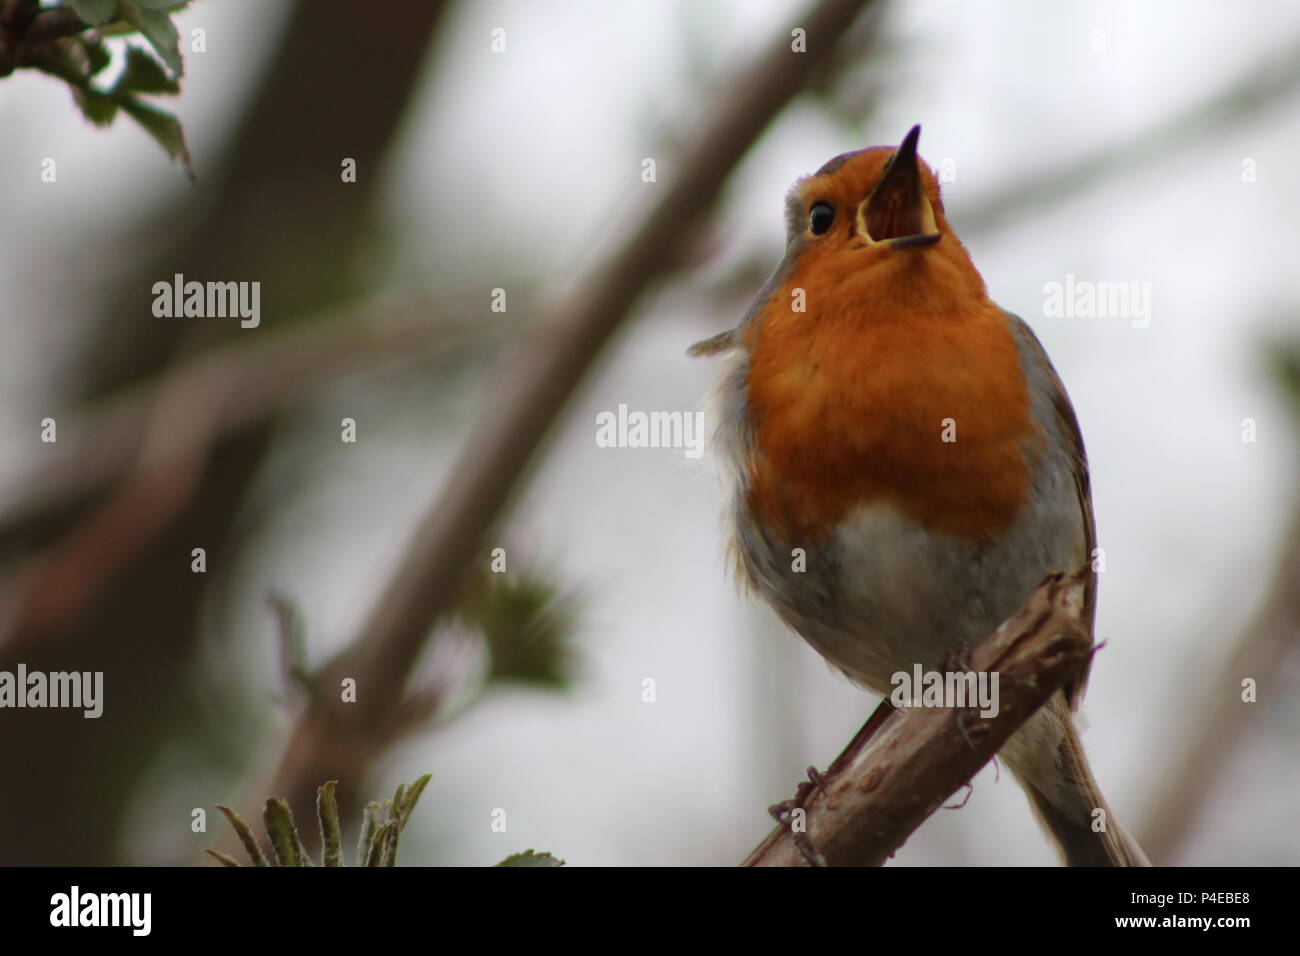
point(873, 342)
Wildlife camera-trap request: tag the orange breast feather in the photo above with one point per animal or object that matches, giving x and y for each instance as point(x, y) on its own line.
point(848, 402)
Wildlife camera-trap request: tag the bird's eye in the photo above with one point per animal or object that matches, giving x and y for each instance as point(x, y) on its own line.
point(820, 218)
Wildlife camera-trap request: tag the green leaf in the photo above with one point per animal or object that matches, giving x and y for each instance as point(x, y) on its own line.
point(159, 30)
point(380, 829)
point(383, 846)
point(407, 798)
point(143, 74)
point(245, 836)
point(285, 841)
point(96, 107)
point(162, 126)
point(389, 857)
point(171, 6)
point(1284, 363)
point(531, 858)
point(97, 55)
point(528, 627)
point(94, 12)
point(369, 824)
point(327, 809)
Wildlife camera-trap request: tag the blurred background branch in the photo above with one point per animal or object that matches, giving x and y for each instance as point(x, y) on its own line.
point(257, 213)
point(157, 437)
point(338, 739)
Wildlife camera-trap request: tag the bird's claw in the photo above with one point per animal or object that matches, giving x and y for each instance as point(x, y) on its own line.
point(784, 812)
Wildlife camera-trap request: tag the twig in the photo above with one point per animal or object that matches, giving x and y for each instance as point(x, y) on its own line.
point(869, 803)
point(159, 435)
point(236, 385)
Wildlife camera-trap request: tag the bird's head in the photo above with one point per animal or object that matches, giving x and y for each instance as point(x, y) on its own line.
point(870, 200)
point(866, 239)
point(869, 226)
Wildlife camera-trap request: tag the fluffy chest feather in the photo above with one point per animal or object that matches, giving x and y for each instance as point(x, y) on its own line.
point(926, 413)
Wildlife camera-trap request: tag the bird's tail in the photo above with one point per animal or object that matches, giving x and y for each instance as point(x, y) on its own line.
point(1066, 799)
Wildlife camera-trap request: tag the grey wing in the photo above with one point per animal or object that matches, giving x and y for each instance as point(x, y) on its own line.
point(1068, 424)
point(731, 338)
point(714, 344)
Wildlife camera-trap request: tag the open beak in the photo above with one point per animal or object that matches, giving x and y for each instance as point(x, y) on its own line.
point(897, 212)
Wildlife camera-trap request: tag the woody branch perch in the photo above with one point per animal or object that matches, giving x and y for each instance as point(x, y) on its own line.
point(887, 783)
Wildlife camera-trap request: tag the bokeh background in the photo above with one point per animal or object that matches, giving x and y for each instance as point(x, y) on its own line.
point(1113, 141)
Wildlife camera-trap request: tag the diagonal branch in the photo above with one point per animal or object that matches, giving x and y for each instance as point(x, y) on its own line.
point(545, 370)
point(533, 387)
point(151, 443)
point(872, 800)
